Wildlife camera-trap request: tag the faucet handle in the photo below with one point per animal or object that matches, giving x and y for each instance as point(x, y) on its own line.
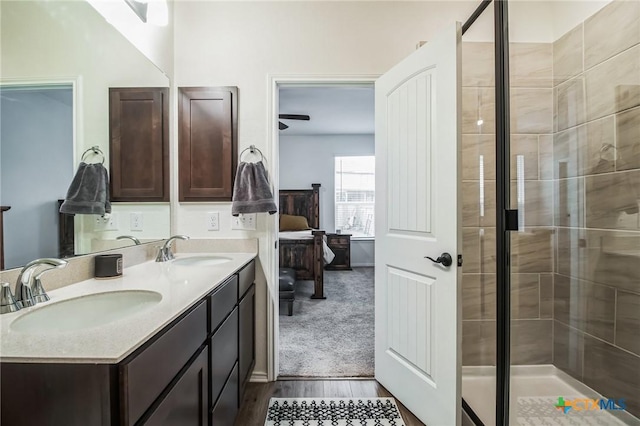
point(37, 291)
point(8, 303)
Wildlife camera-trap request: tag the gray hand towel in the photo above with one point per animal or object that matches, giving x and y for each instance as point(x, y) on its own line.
point(89, 191)
point(251, 190)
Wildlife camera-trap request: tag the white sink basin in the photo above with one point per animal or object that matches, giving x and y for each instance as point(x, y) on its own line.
point(87, 311)
point(206, 260)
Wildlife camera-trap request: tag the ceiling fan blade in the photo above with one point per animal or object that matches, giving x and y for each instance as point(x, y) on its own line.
point(294, 117)
point(282, 126)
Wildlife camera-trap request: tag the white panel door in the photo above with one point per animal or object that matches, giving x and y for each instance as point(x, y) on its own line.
point(417, 300)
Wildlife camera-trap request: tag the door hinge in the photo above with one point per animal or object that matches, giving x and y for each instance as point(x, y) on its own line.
point(459, 260)
point(511, 220)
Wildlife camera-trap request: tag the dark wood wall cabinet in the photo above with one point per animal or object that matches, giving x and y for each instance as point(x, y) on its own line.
point(207, 142)
point(340, 245)
point(139, 144)
point(192, 373)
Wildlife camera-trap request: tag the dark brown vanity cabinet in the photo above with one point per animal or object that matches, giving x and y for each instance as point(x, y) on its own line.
point(232, 343)
point(139, 144)
point(207, 142)
point(191, 373)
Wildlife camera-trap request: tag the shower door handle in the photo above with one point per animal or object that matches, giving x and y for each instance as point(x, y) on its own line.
point(445, 259)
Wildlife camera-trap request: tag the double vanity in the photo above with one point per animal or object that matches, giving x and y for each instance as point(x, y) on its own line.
point(168, 343)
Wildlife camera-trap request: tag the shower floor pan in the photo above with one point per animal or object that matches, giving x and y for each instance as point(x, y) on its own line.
point(534, 393)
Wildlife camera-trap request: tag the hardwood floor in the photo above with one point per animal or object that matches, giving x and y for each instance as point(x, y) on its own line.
point(256, 397)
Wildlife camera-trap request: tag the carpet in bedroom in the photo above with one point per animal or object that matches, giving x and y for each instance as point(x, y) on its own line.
point(331, 337)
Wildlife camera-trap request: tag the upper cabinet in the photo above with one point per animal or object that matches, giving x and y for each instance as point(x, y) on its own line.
point(208, 142)
point(139, 144)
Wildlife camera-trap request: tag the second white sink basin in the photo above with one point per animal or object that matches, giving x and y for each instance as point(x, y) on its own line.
point(204, 260)
point(87, 311)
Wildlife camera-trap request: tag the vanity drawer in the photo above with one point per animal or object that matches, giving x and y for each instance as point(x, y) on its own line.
point(224, 353)
point(222, 301)
point(226, 409)
point(246, 277)
point(147, 374)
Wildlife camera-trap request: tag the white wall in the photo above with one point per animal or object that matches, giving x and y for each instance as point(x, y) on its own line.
point(51, 40)
point(310, 159)
point(155, 42)
point(244, 43)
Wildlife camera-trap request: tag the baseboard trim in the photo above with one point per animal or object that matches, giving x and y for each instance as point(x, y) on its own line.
point(259, 377)
point(362, 265)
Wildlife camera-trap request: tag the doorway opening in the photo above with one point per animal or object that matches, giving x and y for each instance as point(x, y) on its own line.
point(37, 151)
point(326, 144)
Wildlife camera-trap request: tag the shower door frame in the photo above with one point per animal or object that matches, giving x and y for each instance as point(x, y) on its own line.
point(506, 218)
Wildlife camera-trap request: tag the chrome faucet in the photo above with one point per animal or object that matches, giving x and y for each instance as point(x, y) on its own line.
point(129, 237)
point(165, 253)
point(29, 289)
point(7, 301)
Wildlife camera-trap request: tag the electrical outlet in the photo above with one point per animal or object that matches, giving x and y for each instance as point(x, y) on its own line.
point(245, 222)
point(136, 221)
point(112, 223)
point(109, 223)
point(213, 221)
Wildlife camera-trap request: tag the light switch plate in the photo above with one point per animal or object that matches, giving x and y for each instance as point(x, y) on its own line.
point(245, 222)
point(137, 223)
point(213, 221)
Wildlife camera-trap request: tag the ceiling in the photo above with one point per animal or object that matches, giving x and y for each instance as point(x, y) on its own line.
point(334, 110)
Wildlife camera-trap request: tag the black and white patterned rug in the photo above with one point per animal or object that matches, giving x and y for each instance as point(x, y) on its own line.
point(333, 412)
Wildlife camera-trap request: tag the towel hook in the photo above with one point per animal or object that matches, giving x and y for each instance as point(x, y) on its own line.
point(95, 150)
point(252, 149)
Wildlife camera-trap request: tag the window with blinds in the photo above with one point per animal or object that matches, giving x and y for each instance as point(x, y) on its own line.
point(355, 195)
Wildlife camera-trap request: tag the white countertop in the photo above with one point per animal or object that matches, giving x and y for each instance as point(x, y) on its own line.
point(180, 287)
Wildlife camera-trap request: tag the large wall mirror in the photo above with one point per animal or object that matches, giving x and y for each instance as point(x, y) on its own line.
point(58, 61)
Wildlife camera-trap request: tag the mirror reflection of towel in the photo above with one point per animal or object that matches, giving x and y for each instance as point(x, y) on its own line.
point(88, 192)
point(251, 190)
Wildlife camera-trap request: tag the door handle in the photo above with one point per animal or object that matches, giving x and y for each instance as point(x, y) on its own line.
point(445, 259)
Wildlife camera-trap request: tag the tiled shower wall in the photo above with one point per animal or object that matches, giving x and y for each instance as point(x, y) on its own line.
point(532, 246)
point(596, 172)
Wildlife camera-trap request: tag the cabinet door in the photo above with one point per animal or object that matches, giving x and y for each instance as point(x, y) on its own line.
point(207, 142)
point(226, 409)
point(139, 144)
point(224, 354)
point(186, 403)
point(246, 350)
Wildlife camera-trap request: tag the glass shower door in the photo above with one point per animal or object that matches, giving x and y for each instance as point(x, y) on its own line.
point(575, 182)
point(478, 221)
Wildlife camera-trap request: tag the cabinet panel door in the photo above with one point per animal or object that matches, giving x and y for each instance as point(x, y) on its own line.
point(226, 409)
point(224, 353)
point(246, 351)
point(139, 144)
point(207, 142)
point(187, 402)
